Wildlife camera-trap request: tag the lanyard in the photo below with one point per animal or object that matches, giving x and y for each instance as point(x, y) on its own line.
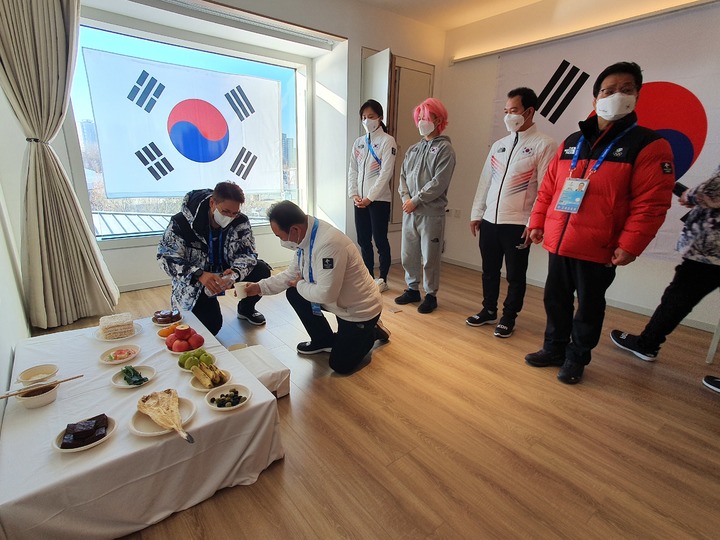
point(312, 242)
point(211, 250)
point(602, 157)
point(370, 148)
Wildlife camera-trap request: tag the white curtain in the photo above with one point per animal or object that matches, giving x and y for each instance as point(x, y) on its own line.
point(63, 270)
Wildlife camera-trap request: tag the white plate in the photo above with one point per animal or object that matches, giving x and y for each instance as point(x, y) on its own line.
point(215, 392)
point(97, 334)
point(105, 360)
point(142, 426)
point(195, 384)
point(58, 439)
point(166, 324)
point(118, 379)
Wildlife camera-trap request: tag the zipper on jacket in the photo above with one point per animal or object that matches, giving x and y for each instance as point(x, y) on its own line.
point(507, 166)
point(367, 153)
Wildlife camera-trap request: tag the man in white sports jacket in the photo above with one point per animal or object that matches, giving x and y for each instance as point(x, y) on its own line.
point(326, 273)
point(504, 199)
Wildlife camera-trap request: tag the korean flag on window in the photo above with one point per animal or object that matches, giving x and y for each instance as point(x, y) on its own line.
point(165, 129)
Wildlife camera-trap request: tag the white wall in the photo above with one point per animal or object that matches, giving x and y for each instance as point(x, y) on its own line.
point(534, 22)
point(13, 323)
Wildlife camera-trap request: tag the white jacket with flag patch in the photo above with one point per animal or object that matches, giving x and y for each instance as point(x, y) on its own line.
point(342, 284)
point(367, 177)
point(511, 176)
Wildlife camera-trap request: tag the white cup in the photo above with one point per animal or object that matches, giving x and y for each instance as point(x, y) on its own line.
point(240, 289)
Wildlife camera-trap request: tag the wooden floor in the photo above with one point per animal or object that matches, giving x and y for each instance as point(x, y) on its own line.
point(446, 433)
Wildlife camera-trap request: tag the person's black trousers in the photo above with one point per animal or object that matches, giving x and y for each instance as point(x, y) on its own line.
point(371, 224)
point(575, 335)
point(692, 282)
point(498, 242)
point(207, 308)
point(351, 343)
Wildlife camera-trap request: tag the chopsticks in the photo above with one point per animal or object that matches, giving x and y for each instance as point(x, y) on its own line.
point(43, 385)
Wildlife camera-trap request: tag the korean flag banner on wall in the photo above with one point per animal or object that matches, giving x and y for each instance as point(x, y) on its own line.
point(678, 98)
point(165, 129)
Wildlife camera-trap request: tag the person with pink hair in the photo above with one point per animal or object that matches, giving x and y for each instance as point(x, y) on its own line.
point(424, 181)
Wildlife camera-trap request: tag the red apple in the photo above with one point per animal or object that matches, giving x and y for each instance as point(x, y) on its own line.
point(192, 331)
point(183, 331)
point(196, 341)
point(180, 345)
point(170, 340)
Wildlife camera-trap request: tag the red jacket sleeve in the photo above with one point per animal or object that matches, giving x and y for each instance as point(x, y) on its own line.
point(651, 187)
point(545, 193)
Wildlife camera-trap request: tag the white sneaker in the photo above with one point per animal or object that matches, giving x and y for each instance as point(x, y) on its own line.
point(382, 286)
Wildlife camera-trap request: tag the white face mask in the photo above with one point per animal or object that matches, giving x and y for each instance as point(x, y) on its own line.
point(513, 122)
point(426, 127)
point(290, 244)
point(615, 107)
point(221, 220)
point(370, 124)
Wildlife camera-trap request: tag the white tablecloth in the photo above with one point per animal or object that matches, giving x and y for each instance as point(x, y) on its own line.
point(128, 482)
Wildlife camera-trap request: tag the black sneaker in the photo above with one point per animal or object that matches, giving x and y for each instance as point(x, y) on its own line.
point(382, 334)
point(429, 304)
point(504, 328)
point(543, 358)
point(308, 347)
point(484, 317)
point(408, 297)
point(631, 343)
point(713, 383)
point(256, 318)
point(571, 372)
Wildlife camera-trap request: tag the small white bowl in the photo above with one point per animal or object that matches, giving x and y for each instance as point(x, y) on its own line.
point(37, 374)
point(40, 400)
point(213, 394)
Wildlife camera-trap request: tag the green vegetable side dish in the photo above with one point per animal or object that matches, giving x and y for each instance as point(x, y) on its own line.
point(132, 376)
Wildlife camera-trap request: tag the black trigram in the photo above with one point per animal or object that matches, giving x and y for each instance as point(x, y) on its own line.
point(565, 89)
point(152, 158)
point(240, 103)
point(243, 163)
point(149, 90)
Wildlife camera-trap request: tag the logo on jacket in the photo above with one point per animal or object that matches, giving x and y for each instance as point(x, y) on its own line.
point(526, 151)
point(569, 151)
point(618, 152)
point(393, 151)
point(501, 149)
point(667, 167)
point(434, 149)
point(328, 263)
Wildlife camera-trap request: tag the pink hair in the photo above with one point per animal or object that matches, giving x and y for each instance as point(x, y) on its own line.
point(435, 107)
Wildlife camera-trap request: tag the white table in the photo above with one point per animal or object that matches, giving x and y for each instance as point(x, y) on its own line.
point(128, 482)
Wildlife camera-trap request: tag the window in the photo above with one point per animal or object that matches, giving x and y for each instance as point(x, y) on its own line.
point(156, 120)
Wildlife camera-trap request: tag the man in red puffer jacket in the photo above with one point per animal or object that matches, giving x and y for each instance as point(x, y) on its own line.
point(602, 201)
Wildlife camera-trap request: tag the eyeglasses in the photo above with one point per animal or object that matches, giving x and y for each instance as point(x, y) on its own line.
point(627, 90)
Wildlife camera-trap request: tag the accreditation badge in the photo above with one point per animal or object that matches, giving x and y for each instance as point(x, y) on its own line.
point(572, 195)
